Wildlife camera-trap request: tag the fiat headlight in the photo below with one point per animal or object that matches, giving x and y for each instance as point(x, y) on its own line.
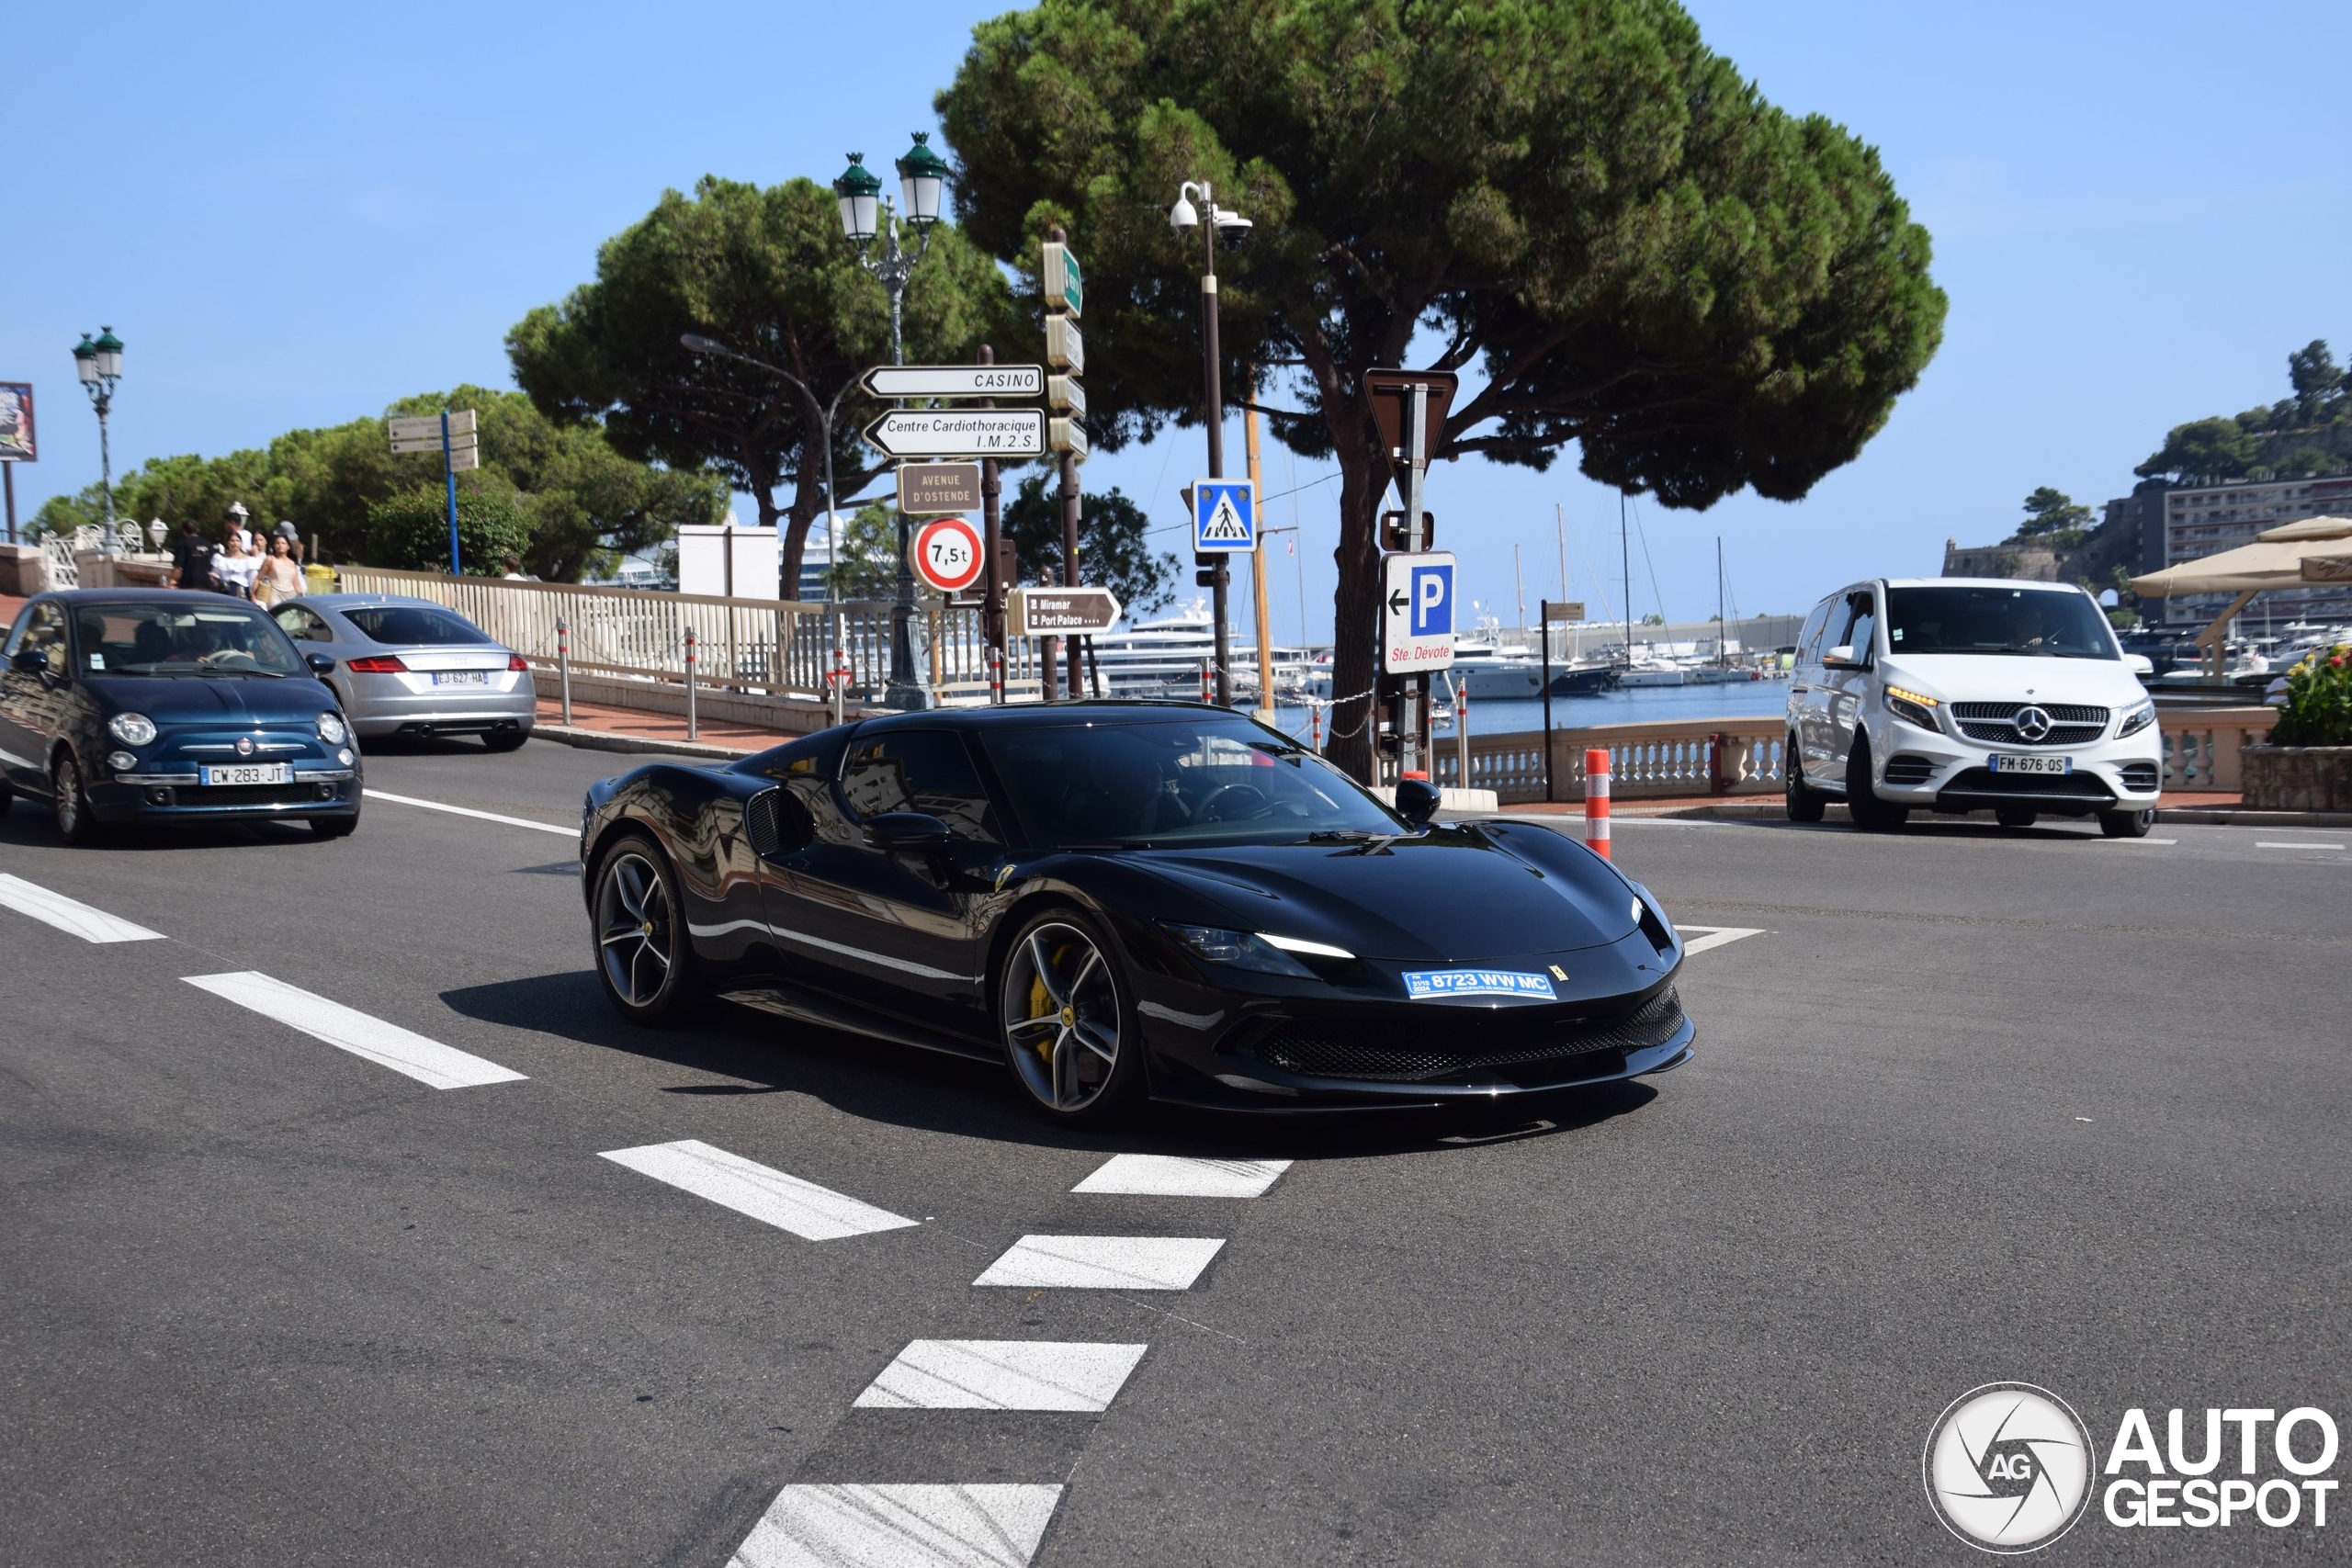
point(331, 728)
point(2136, 719)
point(132, 729)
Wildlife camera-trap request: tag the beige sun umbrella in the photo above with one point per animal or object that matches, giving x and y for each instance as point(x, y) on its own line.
point(2316, 549)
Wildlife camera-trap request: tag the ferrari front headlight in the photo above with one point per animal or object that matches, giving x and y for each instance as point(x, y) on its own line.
point(1237, 950)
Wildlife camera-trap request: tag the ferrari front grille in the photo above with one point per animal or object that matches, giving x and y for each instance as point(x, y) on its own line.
point(1438, 1046)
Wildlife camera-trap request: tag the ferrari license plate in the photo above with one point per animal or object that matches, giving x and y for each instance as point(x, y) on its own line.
point(250, 773)
point(2033, 764)
point(461, 677)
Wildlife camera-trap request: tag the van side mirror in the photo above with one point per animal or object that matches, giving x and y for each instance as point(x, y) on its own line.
point(2140, 664)
point(1841, 657)
point(1417, 800)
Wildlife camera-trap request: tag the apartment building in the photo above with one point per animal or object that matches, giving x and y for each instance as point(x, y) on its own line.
point(2204, 519)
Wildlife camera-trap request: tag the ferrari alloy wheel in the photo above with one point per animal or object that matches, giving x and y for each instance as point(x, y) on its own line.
point(1065, 1022)
point(641, 952)
point(71, 803)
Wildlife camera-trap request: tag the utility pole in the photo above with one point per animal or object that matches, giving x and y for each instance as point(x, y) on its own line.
point(1519, 585)
point(1180, 216)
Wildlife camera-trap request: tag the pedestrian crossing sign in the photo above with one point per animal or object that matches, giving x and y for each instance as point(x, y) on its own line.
point(1224, 515)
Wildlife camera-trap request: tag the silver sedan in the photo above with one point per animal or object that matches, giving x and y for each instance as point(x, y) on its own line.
point(412, 667)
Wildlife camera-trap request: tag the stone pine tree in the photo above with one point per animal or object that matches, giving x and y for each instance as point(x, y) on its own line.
point(767, 273)
point(1608, 232)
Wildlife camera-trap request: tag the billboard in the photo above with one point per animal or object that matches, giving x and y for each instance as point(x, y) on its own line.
point(16, 444)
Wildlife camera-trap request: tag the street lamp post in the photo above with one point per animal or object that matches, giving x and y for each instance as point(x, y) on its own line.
point(1183, 217)
point(922, 181)
point(99, 365)
point(695, 343)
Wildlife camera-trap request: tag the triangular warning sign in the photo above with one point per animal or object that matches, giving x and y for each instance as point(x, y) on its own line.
point(1225, 525)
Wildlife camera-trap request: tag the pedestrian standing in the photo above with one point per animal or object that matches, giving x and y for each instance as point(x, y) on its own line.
point(235, 518)
point(234, 568)
point(280, 577)
point(192, 555)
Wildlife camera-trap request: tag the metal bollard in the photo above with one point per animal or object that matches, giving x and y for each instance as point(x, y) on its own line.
point(1314, 728)
point(693, 729)
point(1208, 687)
point(1596, 801)
point(1462, 735)
point(996, 677)
point(563, 664)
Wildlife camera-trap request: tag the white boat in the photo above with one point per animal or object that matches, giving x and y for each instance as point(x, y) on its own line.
point(1164, 658)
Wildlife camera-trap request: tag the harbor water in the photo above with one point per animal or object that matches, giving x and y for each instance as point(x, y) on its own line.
point(1736, 699)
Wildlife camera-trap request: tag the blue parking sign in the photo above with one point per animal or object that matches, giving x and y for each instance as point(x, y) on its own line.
point(1432, 600)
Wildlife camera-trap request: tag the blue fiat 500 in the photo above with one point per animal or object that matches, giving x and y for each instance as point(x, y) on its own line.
point(121, 704)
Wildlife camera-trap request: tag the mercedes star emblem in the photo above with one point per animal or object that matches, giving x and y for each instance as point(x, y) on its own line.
point(2032, 723)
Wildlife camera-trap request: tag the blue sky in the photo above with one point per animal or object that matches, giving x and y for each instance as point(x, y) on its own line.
point(294, 214)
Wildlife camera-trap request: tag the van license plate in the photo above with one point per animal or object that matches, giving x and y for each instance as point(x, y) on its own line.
point(2033, 764)
point(251, 774)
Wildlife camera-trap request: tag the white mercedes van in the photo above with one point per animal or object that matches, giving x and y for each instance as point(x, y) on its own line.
point(1957, 694)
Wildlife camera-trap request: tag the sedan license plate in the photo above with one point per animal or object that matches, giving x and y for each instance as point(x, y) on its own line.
point(461, 677)
point(2033, 764)
point(250, 773)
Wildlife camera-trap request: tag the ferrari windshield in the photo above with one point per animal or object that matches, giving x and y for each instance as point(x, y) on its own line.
point(1178, 778)
point(2045, 622)
point(202, 635)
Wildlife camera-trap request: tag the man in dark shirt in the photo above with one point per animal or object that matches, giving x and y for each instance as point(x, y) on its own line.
point(192, 554)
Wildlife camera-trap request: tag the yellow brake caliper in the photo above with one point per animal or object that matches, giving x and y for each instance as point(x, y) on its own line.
point(1040, 1005)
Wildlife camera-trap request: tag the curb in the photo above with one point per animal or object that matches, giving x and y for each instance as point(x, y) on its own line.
point(606, 740)
point(1773, 811)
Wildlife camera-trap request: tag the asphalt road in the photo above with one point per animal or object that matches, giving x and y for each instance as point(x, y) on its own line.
point(1968, 1106)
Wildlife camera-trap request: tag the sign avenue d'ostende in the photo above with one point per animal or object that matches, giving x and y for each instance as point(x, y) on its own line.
point(959, 433)
point(932, 490)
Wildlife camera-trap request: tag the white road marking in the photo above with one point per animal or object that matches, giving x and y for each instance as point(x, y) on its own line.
point(808, 1210)
point(1169, 1176)
point(346, 1028)
point(846, 1526)
point(79, 919)
point(2140, 841)
point(470, 811)
point(1716, 936)
point(1001, 1374)
point(1103, 1262)
point(2263, 844)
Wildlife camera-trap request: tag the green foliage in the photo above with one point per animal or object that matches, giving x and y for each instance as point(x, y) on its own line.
point(1112, 550)
point(1653, 619)
point(2226, 448)
point(2054, 518)
point(867, 567)
point(63, 513)
point(1625, 245)
point(410, 531)
point(767, 273)
point(2318, 709)
point(580, 501)
point(2122, 618)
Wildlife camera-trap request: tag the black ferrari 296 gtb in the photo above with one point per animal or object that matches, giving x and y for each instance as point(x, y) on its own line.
point(1128, 900)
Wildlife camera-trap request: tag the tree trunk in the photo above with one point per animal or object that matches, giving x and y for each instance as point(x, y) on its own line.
point(807, 503)
point(1355, 663)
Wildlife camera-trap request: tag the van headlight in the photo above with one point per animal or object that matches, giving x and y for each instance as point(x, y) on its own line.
point(132, 729)
point(1912, 707)
point(2136, 719)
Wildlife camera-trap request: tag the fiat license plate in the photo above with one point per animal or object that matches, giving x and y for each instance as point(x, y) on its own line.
point(250, 773)
point(2033, 764)
point(461, 677)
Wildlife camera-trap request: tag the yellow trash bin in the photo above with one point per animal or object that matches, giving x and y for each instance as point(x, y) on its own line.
point(317, 579)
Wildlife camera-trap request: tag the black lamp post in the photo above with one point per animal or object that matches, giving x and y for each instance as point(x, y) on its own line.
point(99, 365)
point(865, 213)
point(1183, 217)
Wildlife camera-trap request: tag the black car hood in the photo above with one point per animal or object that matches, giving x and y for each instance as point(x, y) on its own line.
point(1453, 895)
point(230, 700)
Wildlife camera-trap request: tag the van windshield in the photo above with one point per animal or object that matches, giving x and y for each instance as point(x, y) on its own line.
point(2025, 622)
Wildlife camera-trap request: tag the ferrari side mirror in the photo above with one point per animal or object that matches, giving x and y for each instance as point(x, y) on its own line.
point(1417, 800)
point(915, 831)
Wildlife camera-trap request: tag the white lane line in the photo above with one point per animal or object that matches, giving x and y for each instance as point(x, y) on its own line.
point(2263, 844)
point(80, 920)
point(1170, 1175)
point(1103, 1262)
point(470, 811)
point(842, 1525)
point(808, 1210)
point(346, 1028)
point(2139, 841)
point(1716, 936)
point(1001, 1374)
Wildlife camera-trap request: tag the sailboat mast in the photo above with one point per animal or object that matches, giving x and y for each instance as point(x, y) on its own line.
point(1723, 650)
point(1625, 552)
